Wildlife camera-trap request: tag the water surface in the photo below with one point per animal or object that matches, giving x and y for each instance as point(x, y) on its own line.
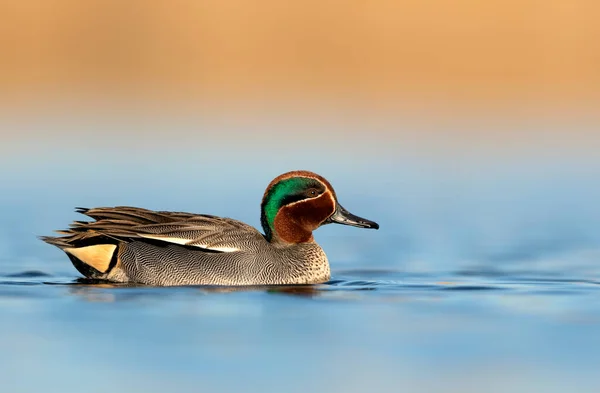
point(484, 276)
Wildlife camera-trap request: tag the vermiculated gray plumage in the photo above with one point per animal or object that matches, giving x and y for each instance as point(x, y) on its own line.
point(177, 248)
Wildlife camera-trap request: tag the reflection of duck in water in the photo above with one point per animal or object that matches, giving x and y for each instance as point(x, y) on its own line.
point(101, 291)
point(128, 244)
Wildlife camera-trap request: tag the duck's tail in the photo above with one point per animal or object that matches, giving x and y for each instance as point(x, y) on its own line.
point(92, 253)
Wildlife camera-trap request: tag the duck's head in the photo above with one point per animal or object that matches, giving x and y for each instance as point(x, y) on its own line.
point(298, 202)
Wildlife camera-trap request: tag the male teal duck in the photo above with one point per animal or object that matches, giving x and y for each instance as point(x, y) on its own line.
point(134, 245)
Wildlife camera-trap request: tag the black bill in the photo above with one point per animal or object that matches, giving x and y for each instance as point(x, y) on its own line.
point(344, 217)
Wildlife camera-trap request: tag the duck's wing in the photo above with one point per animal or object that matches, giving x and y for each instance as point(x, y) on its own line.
point(124, 223)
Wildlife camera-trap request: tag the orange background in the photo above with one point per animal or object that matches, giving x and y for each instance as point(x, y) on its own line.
point(363, 50)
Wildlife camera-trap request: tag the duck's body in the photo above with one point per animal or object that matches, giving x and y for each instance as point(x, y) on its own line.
point(128, 244)
point(164, 248)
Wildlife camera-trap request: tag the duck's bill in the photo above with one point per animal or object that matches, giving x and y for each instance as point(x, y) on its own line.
point(344, 217)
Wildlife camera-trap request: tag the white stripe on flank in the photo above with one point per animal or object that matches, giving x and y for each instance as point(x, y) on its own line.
point(185, 242)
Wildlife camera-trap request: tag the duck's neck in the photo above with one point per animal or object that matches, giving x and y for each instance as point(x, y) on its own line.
point(291, 230)
point(286, 230)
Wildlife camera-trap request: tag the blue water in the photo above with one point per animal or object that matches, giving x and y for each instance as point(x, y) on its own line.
point(484, 276)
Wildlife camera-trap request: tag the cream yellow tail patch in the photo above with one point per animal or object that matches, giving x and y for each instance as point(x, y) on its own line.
point(97, 256)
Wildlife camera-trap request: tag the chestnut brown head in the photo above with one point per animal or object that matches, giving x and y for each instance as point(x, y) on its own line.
point(298, 202)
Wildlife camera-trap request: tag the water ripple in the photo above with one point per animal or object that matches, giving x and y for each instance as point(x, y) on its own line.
point(386, 281)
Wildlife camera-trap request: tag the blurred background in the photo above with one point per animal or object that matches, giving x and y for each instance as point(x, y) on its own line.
point(469, 130)
point(229, 51)
point(472, 127)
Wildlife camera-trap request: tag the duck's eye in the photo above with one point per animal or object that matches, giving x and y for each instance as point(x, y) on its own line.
point(312, 193)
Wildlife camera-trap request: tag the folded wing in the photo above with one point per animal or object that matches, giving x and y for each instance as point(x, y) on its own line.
point(123, 223)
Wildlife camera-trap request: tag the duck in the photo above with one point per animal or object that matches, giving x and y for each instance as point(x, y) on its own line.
point(133, 245)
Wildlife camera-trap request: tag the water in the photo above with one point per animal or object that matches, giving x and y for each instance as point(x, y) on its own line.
point(484, 276)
